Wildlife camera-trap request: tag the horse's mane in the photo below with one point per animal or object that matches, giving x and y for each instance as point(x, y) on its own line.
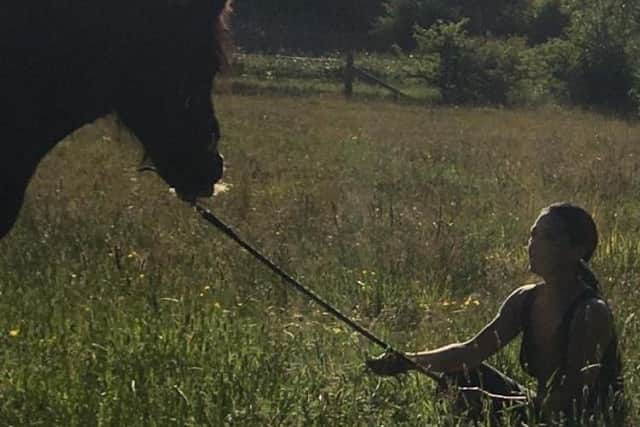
point(226, 12)
point(221, 26)
point(223, 37)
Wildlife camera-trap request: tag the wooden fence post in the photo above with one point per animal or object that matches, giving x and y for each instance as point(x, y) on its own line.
point(348, 76)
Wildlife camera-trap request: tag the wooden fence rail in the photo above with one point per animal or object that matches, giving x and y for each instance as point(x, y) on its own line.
point(352, 72)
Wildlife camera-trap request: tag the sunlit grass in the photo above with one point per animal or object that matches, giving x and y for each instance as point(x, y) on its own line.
point(120, 307)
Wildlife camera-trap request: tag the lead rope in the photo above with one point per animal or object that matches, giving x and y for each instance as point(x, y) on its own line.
point(208, 216)
point(225, 229)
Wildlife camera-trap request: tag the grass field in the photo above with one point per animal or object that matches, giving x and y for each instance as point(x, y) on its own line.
point(119, 307)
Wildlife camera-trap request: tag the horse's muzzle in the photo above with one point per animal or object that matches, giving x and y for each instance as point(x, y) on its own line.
point(204, 186)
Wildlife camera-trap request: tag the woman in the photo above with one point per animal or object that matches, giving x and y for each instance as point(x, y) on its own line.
point(569, 343)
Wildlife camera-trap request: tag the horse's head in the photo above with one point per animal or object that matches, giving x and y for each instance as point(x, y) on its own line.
point(166, 98)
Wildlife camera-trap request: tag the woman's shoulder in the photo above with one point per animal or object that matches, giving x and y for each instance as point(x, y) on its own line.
point(528, 287)
point(519, 298)
point(523, 292)
point(590, 321)
point(591, 308)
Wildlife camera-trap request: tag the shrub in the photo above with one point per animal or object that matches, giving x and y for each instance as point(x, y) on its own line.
point(470, 70)
point(545, 72)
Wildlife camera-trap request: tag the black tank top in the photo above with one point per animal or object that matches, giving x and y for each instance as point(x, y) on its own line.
point(607, 394)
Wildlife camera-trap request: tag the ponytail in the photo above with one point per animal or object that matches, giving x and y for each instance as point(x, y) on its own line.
point(582, 231)
point(588, 276)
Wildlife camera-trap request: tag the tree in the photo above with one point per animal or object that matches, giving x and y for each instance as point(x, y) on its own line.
point(305, 24)
point(549, 19)
point(606, 34)
point(488, 17)
point(397, 24)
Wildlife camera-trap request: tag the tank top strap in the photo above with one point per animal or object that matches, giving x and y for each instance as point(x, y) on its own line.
point(525, 325)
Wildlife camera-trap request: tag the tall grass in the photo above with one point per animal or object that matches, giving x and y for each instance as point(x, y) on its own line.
point(119, 307)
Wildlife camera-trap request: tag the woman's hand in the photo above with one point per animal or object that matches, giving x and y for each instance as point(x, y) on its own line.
point(389, 364)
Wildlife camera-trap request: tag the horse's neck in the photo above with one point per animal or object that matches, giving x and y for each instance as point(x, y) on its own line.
point(60, 65)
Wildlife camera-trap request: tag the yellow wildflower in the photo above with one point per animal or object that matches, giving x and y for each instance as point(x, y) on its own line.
point(470, 300)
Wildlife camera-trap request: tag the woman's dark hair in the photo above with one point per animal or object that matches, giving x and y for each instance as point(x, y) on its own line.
point(582, 231)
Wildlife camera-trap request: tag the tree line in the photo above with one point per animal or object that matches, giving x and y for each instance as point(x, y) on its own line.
point(494, 51)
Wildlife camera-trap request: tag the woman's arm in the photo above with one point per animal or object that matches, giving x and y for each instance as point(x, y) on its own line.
point(590, 332)
point(469, 354)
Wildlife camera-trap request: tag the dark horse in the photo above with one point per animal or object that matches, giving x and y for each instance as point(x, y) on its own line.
point(64, 63)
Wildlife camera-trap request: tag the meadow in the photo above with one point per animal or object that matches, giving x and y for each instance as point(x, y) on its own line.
point(120, 307)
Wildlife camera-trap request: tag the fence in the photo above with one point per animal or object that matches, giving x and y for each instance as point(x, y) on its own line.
point(352, 72)
point(334, 69)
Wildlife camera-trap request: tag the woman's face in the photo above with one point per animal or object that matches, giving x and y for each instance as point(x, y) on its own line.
point(550, 248)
